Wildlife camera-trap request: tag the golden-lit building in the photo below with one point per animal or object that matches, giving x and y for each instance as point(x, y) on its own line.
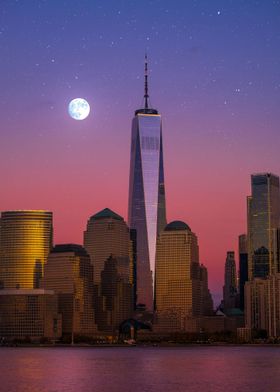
point(178, 286)
point(25, 242)
point(69, 273)
point(29, 314)
point(106, 234)
point(256, 304)
point(110, 245)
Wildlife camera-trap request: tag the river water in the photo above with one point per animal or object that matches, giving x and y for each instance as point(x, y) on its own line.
point(136, 369)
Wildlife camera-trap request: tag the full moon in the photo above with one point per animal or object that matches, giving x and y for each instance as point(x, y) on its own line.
point(79, 108)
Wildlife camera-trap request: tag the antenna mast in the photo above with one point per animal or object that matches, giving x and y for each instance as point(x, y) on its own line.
point(146, 95)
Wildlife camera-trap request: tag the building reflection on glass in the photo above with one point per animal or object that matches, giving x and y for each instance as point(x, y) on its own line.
point(263, 222)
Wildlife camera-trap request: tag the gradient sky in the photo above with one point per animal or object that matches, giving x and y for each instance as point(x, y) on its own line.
point(214, 77)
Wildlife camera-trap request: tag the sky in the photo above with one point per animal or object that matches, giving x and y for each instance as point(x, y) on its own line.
point(214, 77)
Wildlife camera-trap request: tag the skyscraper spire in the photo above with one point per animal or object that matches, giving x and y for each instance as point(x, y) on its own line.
point(146, 94)
point(146, 109)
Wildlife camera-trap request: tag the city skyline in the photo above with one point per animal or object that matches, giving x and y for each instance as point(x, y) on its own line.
point(140, 195)
point(51, 162)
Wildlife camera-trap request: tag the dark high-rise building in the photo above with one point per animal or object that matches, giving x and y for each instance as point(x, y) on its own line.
point(206, 297)
point(263, 222)
point(25, 242)
point(243, 267)
point(115, 300)
point(230, 286)
point(146, 208)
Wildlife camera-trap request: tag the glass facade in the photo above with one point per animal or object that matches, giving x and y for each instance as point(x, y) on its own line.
point(146, 211)
point(25, 242)
point(263, 222)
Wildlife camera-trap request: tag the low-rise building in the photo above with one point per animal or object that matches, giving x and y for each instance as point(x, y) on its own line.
point(29, 315)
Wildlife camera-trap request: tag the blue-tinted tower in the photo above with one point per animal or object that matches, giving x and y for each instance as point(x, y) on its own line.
point(146, 207)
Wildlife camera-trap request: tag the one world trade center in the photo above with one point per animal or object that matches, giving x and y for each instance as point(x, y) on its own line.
point(146, 208)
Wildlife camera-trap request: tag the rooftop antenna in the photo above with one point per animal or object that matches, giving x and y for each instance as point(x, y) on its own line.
point(146, 109)
point(146, 95)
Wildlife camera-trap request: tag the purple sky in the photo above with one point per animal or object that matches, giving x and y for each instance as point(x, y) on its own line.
point(214, 77)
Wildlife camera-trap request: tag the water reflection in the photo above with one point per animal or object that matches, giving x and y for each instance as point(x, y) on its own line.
point(207, 369)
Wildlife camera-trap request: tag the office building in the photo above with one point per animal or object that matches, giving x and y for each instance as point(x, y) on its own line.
point(25, 242)
point(263, 221)
point(106, 234)
point(206, 297)
point(178, 286)
point(69, 273)
point(29, 315)
point(146, 208)
point(112, 249)
point(230, 285)
point(133, 263)
point(262, 305)
point(115, 295)
point(243, 267)
point(256, 311)
point(273, 305)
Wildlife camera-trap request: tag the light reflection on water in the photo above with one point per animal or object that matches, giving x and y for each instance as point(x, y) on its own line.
point(186, 369)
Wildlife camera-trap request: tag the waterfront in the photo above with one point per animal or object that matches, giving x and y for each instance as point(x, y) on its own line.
point(180, 369)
